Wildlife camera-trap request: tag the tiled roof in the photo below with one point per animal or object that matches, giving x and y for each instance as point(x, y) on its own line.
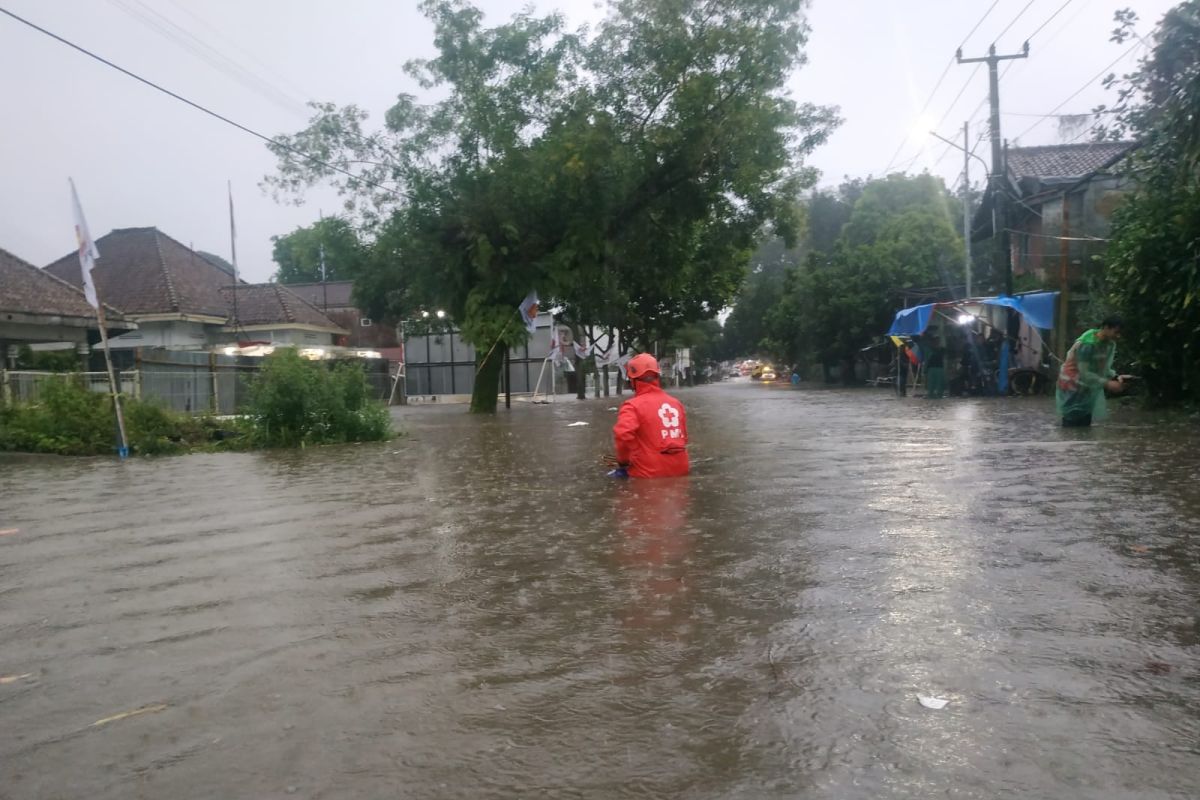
point(1063, 160)
point(25, 289)
point(273, 304)
point(216, 260)
point(144, 271)
point(334, 294)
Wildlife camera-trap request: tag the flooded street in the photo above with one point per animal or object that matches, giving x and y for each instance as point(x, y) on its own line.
point(474, 611)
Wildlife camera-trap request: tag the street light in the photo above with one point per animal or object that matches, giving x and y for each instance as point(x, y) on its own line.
point(440, 314)
point(967, 156)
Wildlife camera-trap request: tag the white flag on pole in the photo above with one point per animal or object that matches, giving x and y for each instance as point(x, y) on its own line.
point(87, 249)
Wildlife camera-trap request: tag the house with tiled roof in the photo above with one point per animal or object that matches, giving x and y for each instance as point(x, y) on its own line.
point(183, 299)
point(1062, 198)
point(336, 301)
point(38, 308)
point(271, 312)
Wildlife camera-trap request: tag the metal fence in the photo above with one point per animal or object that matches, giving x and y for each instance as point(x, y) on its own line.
point(443, 363)
point(17, 386)
point(187, 382)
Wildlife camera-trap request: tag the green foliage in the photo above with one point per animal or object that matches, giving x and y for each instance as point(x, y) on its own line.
point(704, 339)
point(47, 360)
point(899, 235)
point(626, 176)
point(745, 331)
point(69, 419)
point(1153, 264)
point(295, 402)
point(298, 253)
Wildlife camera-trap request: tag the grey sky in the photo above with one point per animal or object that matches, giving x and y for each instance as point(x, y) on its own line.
point(140, 158)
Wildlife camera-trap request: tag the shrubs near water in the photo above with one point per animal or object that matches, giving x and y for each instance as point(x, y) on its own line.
point(71, 420)
point(293, 403)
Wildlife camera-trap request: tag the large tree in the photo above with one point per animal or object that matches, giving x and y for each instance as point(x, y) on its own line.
point(626, 177)
point(332, 242)
point(899, 235)
point(1153, 263)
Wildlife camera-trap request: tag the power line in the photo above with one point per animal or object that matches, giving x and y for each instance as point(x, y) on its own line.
point(185, 39)
point(963, 43)
point(1080, 90)
point(1060, 116)
point(269, 140)
point(1049, 20)
point(1020, 14)
point(297, 90)
point(936, 86)
point(1058, 31)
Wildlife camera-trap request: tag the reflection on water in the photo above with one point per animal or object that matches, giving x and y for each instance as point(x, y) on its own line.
point(473, 610)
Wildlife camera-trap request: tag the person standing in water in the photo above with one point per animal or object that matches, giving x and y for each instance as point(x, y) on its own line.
point(1087, 373)
point(650, 436)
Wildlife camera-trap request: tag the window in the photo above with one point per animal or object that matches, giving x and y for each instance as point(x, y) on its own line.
point(365, 322)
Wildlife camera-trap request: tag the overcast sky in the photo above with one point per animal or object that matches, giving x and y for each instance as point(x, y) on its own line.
point(140, 158)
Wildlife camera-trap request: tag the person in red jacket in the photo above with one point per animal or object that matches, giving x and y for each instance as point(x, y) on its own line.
point(651, 431)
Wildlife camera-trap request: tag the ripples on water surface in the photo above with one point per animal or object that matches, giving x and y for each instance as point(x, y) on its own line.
point(472, 611)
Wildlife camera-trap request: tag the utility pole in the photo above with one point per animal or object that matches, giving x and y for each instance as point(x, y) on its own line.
point(967, 156)
point(967, 205)
point(1002, 254)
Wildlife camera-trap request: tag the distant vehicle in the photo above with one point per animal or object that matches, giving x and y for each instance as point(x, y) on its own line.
point(763, 372)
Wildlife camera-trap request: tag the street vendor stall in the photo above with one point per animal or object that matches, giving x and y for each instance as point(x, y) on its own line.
point(996, 342)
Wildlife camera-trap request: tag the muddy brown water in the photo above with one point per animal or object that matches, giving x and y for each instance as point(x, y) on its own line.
point(474, 611)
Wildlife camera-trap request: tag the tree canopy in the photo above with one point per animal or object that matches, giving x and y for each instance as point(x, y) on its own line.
point(1152, 272)
point(333, 240)
point(899, 234)
point(625, 176)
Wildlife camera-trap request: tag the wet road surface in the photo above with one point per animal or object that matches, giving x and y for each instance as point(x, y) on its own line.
point(473, 611)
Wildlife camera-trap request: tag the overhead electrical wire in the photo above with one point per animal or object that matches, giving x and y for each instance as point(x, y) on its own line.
point(1080, 90)
point(180, 36)
point(269, 140)
point(296, 90)
point(1050, 19)
point(938, 85)
point(1014, 21)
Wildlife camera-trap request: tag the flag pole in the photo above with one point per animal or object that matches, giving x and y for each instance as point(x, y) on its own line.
point(237, 322)
point(87, 259)
point(112, 383)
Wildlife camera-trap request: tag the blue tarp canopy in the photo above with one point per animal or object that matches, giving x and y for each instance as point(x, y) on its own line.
point(1037, 308)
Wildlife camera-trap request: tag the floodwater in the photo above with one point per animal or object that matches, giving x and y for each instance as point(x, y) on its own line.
point(474, 611)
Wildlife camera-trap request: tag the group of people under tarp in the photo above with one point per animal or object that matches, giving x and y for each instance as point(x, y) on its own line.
point(1086, 377)
point(956, 360)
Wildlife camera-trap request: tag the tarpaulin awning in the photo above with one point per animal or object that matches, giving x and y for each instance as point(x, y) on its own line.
point(1037, 308)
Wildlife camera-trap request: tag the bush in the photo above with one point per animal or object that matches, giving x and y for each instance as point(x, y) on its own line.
point(294, 402)
point(69, 419)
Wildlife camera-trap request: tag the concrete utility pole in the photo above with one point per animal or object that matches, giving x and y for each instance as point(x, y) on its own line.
point(967, 156)
point(967, 205)
point(1002, 254)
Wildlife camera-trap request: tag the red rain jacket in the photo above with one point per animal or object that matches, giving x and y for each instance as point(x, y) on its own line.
point(651, 434)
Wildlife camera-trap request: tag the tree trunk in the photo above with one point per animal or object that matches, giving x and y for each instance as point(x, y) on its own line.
point(580, 375)
point(606, 380)
point(486, 392)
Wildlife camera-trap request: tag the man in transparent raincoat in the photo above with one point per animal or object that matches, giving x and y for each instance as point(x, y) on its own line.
point(1087, 373)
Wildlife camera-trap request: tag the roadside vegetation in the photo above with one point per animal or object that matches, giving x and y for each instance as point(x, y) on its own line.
point(294, 403)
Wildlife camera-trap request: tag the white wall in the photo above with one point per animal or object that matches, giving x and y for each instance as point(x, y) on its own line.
point(176, 335)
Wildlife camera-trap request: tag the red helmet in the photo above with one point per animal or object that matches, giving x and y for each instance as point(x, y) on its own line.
point(641, 365)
